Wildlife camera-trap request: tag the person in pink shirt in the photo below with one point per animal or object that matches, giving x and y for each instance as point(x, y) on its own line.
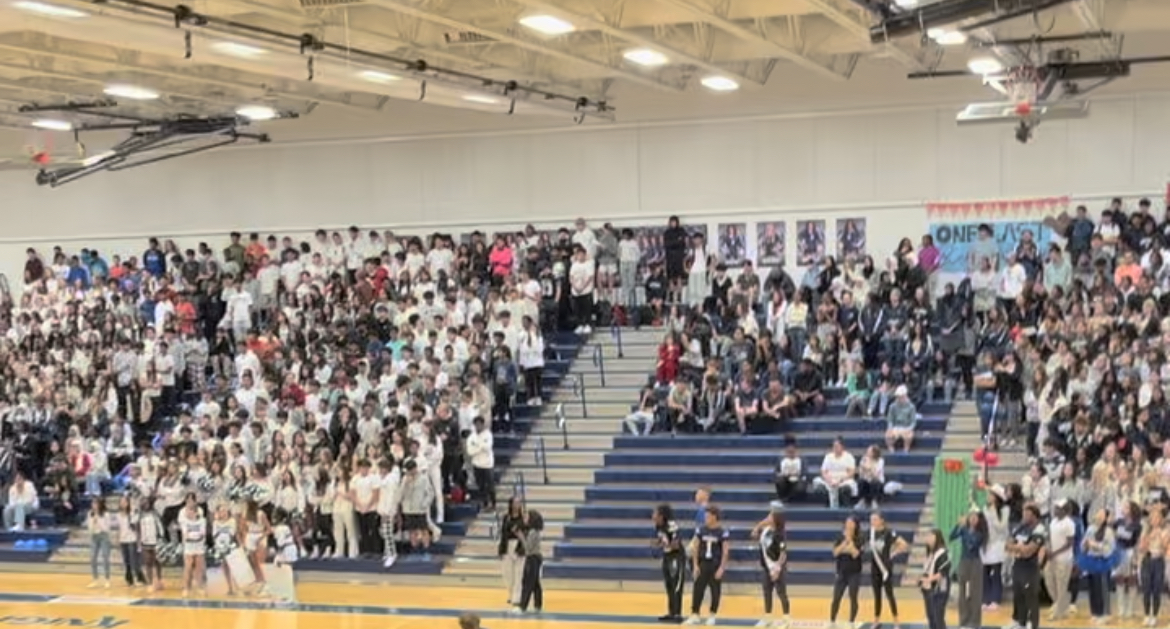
point(500, 261)
point(929, 260)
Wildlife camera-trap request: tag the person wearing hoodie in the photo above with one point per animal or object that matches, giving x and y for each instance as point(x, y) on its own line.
point(415, 498)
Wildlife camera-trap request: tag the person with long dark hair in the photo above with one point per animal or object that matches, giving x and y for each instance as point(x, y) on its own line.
point(511, 550)
point(1024, 545)
point(1127, 532)
point(531, 589)
point(971, 532)
point(668, 539)
point(883, 545)
point(712, 555)
point(847, 551)
point(774, 560)
point(997, 514)
point(936, 580)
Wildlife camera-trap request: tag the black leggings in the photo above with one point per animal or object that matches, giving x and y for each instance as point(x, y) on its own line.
point(852, 582)
point(532, 379)
point(674, 575)
point(777, 587)
point(1153, 578)
point(703, 580)
point(883, 584)
point(531, 590)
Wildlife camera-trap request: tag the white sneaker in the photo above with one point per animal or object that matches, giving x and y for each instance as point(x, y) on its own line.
point(764, 623)
point(710, 621)
point(692, 620)
point(389, 561)
point(93, 584)
point(586, 330)
point(517, 610)
point(786, 621)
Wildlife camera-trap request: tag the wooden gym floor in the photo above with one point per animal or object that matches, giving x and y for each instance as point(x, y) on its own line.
point(63, 600)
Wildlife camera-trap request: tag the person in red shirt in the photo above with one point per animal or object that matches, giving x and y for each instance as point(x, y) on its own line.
point(668, 359)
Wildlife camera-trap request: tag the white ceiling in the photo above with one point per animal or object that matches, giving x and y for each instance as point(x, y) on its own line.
point(787, 55)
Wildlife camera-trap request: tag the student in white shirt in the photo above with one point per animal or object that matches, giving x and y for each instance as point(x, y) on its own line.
point(97, 524)
point(483, 462)
point(128, 517)
point(366, 486)
point(530, 352)
point(22, 500)
point(581, 277)
point(836, 477)
point(390, 476)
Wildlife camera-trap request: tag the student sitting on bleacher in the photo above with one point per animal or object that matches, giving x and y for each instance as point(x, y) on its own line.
point(837, 479)
point(641, 421)
point(901, 418)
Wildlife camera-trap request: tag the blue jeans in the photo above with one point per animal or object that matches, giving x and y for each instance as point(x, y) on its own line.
point(14, 515)
point(1153, 578)
point(99, 555)
point(986, 403)
point(993, 584)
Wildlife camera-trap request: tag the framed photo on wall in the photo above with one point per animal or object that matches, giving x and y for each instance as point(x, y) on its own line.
point(810, 242)
point(732, 243)
point(771, 238)
point(850, 238)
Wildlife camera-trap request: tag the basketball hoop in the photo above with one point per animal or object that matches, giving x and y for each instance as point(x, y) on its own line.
point(1023, 88)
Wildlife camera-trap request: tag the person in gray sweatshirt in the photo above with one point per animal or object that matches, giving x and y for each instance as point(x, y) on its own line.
point(901, 419)
point(415, 498)
point(531, 589)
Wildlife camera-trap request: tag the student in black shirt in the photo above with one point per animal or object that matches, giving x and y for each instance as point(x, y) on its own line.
point(847, 551)
point(1024, 545)
point(667, 538)
point(774, 560)
point(936, 580)
point(883, 545)
point(711, 556)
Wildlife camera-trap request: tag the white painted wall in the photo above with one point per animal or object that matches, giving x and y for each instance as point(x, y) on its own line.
point(879, 164)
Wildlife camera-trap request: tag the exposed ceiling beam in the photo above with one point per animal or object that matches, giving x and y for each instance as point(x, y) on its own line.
point(772, 47)
point(853, 20)
point(1091, 13)
point(46, 48)
point(610, 67)
point(615, 30)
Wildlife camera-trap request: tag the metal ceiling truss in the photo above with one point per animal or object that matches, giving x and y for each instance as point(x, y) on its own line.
point(1091, 13)
point(855, 20)
point(669, 39)
point(832, 66)
point(610, 65)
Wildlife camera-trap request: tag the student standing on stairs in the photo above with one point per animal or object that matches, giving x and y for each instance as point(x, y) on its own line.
point(710, 562)
point(668, 539)
point(510, 550)
point(483, 463)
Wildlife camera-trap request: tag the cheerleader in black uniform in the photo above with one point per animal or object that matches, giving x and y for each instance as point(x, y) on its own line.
point(883, 545)
point(667, 538)
point(847, 552)
point(774, 559)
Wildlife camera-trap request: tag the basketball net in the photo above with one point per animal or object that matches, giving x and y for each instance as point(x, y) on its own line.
point(1023, 88)
point(40, 148)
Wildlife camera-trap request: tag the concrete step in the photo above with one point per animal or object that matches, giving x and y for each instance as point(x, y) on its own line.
point(534, 475)
point(486, 547)
point(483, 529)
point(579, 439)
point(573, 494)
point(603, 426)
point(556, 456)
point(598, 408)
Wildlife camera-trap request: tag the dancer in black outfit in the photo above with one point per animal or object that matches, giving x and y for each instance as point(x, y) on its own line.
point(774, 559)
point(883, 545)
point(847, 550)
point(711, 557)
point(667, 539)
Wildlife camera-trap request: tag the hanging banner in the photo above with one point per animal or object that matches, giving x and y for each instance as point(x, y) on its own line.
point(969, 233)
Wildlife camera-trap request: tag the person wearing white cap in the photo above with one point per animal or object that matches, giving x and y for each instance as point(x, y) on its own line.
point(994, 552)
point(901, 419)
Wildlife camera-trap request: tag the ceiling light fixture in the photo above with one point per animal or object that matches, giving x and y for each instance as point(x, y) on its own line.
point(49, 124)
point(257, 112)
point(646, 57)
point(547, 25)
point(985, 66)
point(238, 50)
point(944, 37)
point(906, 4)
point(483, 100)
point(50, 10)
point(720, 84)
point(132, 92)
point(373, 76)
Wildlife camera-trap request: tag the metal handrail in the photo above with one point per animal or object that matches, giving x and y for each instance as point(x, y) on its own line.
point(521, 489)
point(542, 458)
point(599, 362)
point(579, 393)
point(616, 332)
point(563, 424)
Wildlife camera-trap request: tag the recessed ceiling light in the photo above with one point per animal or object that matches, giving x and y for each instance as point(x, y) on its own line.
point(944, 37)
point(50, 10)
point(720, 84)
point(374, 76)
point(483, 100)
point(547, 24)
point(53, 125)
point(238, 50)
point(132, 92)
point(257, 112)
point(646, 57)
point(985, 66)
point(906, 4)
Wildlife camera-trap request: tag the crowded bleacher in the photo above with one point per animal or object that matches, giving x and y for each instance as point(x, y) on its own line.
point(300, 378)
